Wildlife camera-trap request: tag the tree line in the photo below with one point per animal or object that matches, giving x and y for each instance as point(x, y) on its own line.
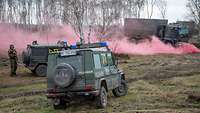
point(78, 13)
point(194, 9)
point(61, 11)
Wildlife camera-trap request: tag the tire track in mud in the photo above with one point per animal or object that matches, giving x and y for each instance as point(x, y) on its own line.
point(23, 94)
point(156, 74)
point(22, 84)
point(185, 70)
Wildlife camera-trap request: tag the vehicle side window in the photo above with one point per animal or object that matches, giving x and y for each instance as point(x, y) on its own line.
point(39, 52)
point(110, 59)
point(97, 61)
point(104, 61)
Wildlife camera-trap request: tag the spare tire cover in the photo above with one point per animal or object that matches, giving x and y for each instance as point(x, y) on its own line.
point(64, 75)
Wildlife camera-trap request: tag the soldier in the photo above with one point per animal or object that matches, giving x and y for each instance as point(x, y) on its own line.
point(12, 53)
point(35, 42)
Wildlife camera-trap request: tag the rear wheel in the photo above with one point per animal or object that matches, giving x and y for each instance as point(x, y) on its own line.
point(60, 104)
point(121, 90)
point(101, 99)
point(41, 70)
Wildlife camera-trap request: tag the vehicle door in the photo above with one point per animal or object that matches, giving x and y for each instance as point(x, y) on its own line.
point(114, 73)
point(106, 68)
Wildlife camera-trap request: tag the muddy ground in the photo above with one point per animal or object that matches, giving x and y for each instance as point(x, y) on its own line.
point(157, 84)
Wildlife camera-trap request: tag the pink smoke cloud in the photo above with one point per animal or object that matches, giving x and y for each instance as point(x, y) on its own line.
point(10, 35)
point(117, 42)
point(155, 46)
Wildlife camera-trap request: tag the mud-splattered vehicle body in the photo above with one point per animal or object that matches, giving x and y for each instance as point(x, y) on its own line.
point(87, 70)
point(35, 57)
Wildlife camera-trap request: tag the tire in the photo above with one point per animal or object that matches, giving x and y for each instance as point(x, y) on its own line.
point(41, 70)
point(101, 99)
point(64, 75)
point(61, 104)
point(121, 90)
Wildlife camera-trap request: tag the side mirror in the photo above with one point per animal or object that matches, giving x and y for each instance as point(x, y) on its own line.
point(116, 61)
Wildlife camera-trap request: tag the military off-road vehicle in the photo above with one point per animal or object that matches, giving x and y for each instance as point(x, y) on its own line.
point(35, 57)
point(88, 70)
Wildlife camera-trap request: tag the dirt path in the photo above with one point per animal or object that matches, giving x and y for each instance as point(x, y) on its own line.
point(157, 84)
point(169, 72)
point(22, 94)
point(22, 84)
point(24, 77)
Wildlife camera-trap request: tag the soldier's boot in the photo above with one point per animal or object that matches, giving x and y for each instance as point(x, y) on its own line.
point(15, 69)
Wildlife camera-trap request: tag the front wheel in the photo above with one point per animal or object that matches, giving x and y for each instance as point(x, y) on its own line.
point(101, 99)
point(41, 70)
point(121, 90)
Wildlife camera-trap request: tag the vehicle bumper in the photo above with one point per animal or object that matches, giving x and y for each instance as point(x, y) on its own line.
point(70, 94)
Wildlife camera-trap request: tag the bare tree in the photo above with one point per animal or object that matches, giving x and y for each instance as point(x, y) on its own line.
point(162, 6)
point(150, 4)
point(139, 4)
point(39, 11)
point(194, 8)
point(78, 13)
point(2, 10)
point(74, 12)
point(23, 13)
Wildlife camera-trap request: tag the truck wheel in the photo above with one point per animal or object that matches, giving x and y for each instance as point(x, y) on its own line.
point(101, 99)
point(41, 70)
point(121, 90)
point(59, 104)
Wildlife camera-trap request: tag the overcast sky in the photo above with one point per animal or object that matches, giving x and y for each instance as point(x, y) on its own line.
point(176, 10)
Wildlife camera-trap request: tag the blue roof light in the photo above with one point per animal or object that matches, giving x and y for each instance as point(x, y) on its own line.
point(103, 44)
point(73, 47)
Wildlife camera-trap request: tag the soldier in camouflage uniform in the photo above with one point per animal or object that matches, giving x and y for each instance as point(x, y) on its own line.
point(12, 53)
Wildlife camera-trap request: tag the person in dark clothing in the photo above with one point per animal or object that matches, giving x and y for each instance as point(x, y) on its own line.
point(12, 53)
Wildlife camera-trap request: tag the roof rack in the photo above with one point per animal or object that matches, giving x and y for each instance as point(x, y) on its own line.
point(91, 45)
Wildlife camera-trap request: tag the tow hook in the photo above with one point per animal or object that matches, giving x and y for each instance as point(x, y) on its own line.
point(56, 101)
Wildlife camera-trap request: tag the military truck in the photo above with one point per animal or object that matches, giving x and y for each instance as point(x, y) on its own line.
point(35, 57)
point(87, 70)
point(139, 29)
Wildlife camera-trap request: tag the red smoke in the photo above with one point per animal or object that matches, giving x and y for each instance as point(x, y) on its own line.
point(155, 46)
point(20, 38)
point(10, 35)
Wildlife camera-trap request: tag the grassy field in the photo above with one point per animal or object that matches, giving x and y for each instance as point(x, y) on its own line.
point(157, 84)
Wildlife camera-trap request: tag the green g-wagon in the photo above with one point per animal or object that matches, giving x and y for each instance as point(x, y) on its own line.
point(84, 70)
